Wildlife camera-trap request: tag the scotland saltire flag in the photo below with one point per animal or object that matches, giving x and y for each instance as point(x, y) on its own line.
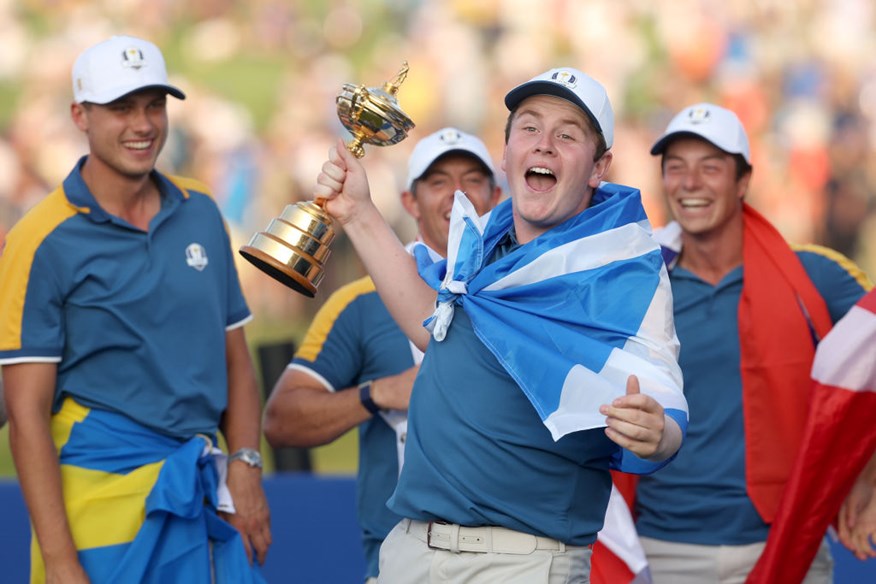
point(571, 314)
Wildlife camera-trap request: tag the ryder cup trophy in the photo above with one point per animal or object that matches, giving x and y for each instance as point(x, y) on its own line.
point(295, 246)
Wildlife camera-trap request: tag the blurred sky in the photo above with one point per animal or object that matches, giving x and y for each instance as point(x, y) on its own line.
point(261, 78)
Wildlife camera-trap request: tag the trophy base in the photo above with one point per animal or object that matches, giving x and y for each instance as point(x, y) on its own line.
point(278, 270)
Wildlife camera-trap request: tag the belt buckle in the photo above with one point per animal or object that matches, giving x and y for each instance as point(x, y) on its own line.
point(429, 534)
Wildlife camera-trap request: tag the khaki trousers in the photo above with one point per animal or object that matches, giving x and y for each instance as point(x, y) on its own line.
point(683, 563)
point(507, 556)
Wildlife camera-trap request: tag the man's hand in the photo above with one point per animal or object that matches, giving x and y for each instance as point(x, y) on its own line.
point(252, 518)
point(857, 521)
point(343, 185)
point(637, 422)
point(394, 392)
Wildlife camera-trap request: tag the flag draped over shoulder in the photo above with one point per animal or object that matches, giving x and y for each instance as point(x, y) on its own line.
point(781, 318)
point(571, 314)
point(839, 439)
point(142, 506)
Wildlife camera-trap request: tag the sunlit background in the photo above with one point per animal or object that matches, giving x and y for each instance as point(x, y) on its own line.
point(262, 75)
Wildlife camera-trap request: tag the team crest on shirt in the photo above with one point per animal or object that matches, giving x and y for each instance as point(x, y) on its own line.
point(133, 57)
point(196, 256)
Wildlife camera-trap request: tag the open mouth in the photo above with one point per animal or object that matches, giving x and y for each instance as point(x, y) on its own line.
point(540, 179)
point(693, 203)
point(138, 145)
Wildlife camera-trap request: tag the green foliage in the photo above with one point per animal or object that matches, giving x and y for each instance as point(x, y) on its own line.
point(7, 469)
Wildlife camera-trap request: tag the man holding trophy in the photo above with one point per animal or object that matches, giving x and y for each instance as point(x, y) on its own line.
point(551, 353)
point(355, 367)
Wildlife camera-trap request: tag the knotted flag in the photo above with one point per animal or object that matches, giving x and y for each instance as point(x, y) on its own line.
point(571, 314)
point(142, 507)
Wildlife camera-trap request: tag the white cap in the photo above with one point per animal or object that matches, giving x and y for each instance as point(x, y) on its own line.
point(442, 142)
point(118, 66)
point(575, 86)
point(716, 125)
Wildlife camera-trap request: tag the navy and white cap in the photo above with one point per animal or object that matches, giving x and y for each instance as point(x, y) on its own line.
point(117, 67)
point(575, 86)
point(714, 124)
point(442, 142)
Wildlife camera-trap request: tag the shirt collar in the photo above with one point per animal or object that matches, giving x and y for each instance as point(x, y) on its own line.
point(80, 196)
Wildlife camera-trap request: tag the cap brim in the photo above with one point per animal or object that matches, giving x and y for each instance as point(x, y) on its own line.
point(170, 89)
point(660, 145)
point(464, 151)
point(541, 87)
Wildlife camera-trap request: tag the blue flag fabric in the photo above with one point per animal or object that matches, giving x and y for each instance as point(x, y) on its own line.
point(142, 507)
point(571, 314)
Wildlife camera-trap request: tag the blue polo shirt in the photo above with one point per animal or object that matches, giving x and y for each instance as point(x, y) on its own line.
point(353, 339)
point(135, 320)
point(477, 452)
point(701, 497)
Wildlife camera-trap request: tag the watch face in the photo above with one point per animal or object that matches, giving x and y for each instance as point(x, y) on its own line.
point(249, 456)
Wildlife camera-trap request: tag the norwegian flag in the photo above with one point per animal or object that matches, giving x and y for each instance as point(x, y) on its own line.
point(840, 438)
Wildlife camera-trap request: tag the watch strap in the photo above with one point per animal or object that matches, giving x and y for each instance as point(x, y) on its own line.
point(365, 398)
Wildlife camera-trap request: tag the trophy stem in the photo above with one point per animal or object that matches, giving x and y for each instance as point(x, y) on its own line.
point(355, 147)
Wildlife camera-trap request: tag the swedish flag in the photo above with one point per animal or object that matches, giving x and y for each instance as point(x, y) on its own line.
point(141, 505)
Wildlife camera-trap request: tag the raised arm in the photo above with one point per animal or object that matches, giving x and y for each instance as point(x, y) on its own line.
point(30, 389)
point(344, 186)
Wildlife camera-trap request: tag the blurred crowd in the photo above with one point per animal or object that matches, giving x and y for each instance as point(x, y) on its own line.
point(262, 76)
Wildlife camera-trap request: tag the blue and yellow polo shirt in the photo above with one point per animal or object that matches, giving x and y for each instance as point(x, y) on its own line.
point(135, 320)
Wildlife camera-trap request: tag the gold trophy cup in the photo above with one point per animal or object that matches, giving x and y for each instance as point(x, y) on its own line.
point(295, 246)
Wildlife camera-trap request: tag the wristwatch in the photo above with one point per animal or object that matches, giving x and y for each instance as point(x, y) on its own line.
point(250, 456)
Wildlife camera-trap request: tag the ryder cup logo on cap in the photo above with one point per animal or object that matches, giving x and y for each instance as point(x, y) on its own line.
point(118, 66)
point(575, 86)
point(442, 142)
point(716, 125)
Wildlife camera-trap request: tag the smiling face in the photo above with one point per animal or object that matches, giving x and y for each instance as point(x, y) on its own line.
point(432, 197)
point(701, 186)
point(549, 164)
point(125, 136)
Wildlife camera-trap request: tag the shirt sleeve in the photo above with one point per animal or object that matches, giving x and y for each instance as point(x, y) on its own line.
point(31, 303)
point(330, 348)
point(838, 279)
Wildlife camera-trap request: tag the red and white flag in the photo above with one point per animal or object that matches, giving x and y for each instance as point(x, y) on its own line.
point(840, 438)
point(618, 557)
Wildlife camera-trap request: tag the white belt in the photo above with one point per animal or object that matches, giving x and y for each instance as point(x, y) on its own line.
point(499, 540)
